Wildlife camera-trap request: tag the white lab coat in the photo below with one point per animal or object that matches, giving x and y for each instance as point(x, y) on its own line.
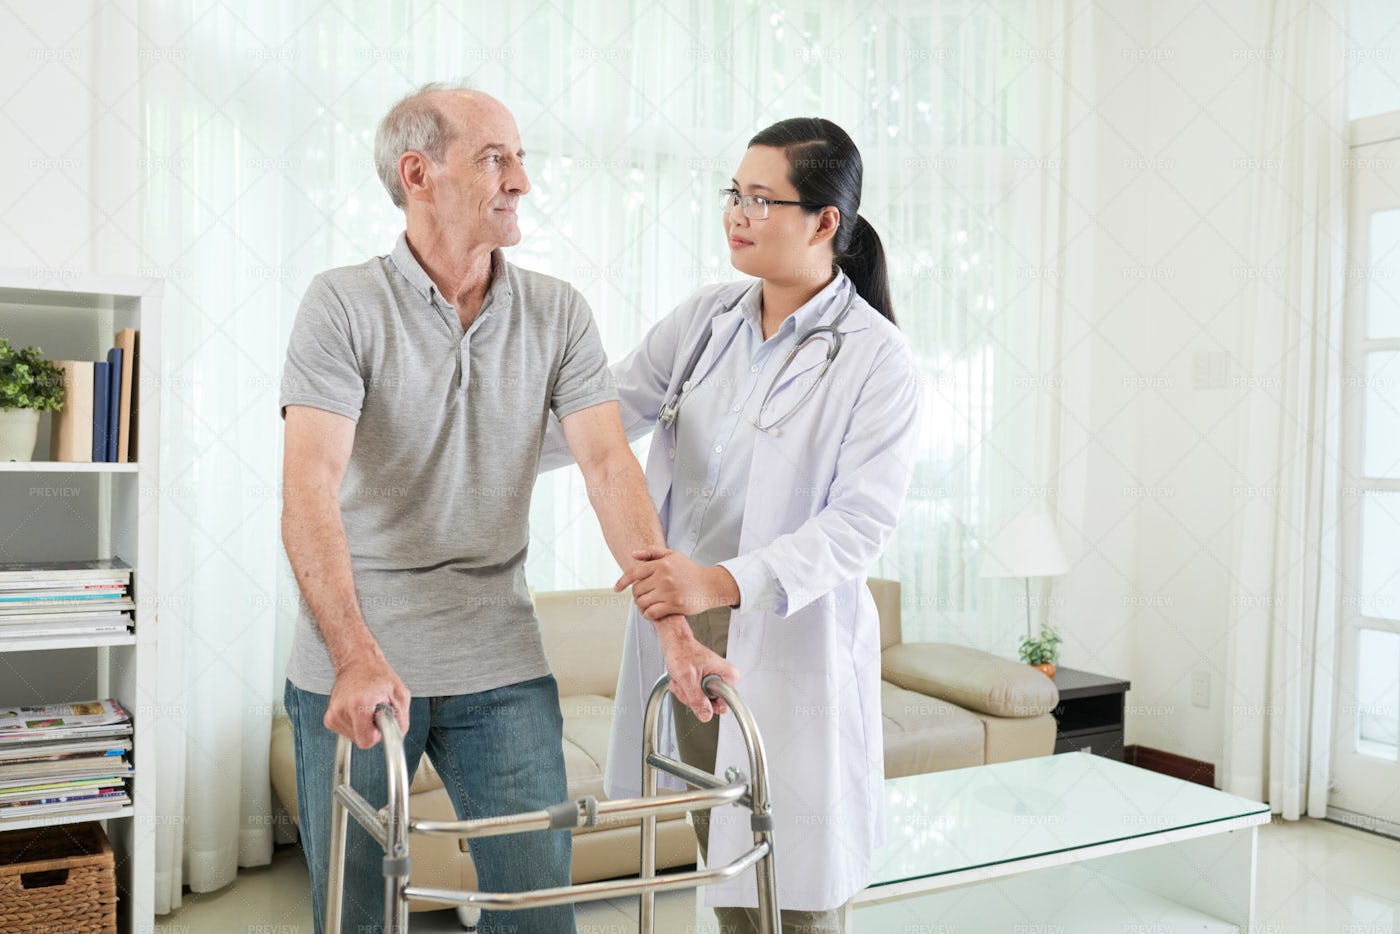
point(824, 494)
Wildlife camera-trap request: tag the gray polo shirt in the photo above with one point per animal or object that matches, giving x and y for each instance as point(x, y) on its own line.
point(436, 497)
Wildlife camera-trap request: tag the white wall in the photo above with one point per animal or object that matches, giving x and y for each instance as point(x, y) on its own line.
point(69, 168)
point(1179, 160)
point(1203, 97)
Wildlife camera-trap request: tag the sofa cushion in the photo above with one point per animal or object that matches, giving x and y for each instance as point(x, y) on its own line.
point(582, 631)
point(970, 678)
point(282, 765)
point(587, 723)
point(1011, 738)
point(925, 734)
point(426, 778)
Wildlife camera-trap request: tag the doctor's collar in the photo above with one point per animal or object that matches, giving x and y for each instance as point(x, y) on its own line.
point(824, 305)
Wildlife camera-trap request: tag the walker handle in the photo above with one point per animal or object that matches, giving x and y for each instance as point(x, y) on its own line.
point(708, 686)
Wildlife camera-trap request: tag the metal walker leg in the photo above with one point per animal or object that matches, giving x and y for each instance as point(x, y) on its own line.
point(390, 826)
point(758, 800)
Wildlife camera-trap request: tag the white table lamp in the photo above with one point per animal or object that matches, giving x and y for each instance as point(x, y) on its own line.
point(1026, 547)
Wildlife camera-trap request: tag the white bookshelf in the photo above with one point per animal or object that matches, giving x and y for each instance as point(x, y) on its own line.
point(65, 467)
point(64, 642)
point(56, 820)
point(55, 511)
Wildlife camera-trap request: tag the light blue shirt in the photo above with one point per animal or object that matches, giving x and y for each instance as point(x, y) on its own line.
point(715, 432)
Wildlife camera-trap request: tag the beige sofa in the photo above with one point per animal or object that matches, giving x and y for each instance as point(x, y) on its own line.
point(944, 706)
point(949, 706)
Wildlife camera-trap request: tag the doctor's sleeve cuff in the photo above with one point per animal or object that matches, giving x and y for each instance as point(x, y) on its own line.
point(759, 587)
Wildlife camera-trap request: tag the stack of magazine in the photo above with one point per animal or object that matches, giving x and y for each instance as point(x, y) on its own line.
point(65, 599)
point(63, 758)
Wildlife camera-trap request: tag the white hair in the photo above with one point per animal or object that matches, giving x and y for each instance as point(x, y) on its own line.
point(414, 124)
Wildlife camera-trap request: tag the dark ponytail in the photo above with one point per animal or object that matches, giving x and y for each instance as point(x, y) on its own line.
point(826, 169)
point(864, 262)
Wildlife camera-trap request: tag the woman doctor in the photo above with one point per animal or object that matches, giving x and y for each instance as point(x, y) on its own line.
point(783, 413)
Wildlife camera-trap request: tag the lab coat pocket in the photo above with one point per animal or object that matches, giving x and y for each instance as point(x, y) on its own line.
point(803, 644)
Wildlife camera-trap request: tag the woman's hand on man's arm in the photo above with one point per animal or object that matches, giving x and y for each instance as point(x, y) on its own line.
point(667, 583)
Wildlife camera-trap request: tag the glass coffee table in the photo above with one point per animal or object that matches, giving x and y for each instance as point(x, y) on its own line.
point(1060, 845)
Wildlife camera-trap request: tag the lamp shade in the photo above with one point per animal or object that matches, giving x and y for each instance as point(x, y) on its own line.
point(1027, 546)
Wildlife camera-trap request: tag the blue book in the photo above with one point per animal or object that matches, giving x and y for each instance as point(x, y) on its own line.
point(101, 389)
point(114, 401)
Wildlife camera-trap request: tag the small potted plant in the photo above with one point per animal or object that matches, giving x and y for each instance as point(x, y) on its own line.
point(1042, 651)
point(29, 384)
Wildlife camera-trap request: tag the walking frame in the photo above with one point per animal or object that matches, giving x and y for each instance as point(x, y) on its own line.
point(391, 825)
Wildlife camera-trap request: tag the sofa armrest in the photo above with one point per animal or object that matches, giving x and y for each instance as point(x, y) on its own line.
point(970, 678)
point(887, 605)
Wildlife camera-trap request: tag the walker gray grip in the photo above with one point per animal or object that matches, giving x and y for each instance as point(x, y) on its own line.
point(397, 866)
point(563, 816)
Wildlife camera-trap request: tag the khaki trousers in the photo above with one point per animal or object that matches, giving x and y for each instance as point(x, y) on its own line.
point(698, 742)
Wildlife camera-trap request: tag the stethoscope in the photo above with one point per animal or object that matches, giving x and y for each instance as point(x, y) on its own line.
point(827, 333)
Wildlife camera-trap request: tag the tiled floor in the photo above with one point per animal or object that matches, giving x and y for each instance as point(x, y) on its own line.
point(1314, 877)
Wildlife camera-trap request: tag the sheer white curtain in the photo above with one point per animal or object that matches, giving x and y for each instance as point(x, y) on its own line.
point(259, 120)
point(222, 229)
point(958, 109)
point(1284, 604)
point(972, 187)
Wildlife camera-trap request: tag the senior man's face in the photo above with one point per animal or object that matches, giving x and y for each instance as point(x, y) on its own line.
point(482, 177)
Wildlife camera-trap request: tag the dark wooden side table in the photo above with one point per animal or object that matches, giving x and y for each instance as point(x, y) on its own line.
point(1090, 715)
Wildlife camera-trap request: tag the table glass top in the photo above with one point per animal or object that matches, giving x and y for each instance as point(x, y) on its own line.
point(945, 822)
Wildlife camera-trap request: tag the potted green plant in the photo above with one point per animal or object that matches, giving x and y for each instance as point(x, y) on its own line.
point(1042, 651)
point(29, 384)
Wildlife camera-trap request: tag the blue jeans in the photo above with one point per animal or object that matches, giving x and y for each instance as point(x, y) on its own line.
point(498, 752)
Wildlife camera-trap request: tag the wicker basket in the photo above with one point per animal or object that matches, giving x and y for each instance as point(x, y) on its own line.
point(57, 880)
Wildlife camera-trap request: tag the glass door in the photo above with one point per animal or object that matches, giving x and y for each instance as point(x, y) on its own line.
point(1365, 747)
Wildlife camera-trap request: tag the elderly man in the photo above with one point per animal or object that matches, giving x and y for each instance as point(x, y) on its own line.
point(416, 395)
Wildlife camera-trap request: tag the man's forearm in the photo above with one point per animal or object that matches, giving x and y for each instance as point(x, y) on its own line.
point(314, 537)
point(618, 494)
